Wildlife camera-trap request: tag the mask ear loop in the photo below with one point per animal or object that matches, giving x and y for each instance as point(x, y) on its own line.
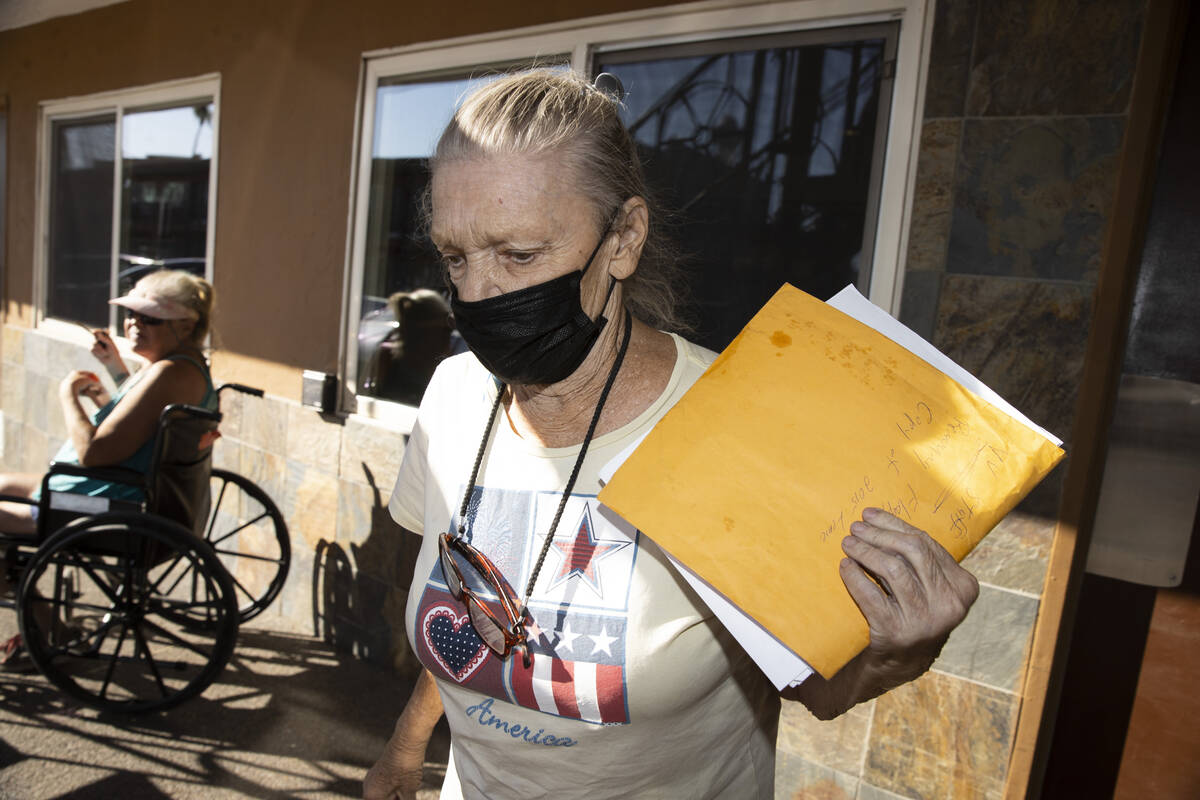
point(602, 320)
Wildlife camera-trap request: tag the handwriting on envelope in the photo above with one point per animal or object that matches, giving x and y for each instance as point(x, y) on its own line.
point(807, 418)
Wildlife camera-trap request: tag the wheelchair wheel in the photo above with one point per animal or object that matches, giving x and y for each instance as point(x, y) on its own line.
point(105, 617)
point(248, 534)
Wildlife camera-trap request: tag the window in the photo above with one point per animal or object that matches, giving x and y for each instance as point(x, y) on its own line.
point(129, 180)
point(771, 147)
point(404, 328)
point(768, 151)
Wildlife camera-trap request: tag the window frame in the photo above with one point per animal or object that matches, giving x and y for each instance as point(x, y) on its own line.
point(117, 102)
point(579, 41)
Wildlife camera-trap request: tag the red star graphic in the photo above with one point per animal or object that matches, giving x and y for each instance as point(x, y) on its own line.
point(580, 554)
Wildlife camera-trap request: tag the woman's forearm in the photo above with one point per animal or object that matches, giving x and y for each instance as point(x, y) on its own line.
point(863, 678)
point(80, 429)
point(421, 714)
point(117, 371)
point(397, 773)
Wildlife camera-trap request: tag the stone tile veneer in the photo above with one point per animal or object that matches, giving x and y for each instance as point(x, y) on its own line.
point(941, 738)
point(1032, 196)
point(933, 195)
point(798, 778)
point(369, 455)
point(991, 645)
point(1053, 57)
point(1014, 555)
point(839, 744)
point(1024, 117)
point(1025, 339)
point(950, 58)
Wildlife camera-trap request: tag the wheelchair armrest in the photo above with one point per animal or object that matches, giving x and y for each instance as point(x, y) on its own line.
point(239, 387)
point(189, 410)
point(122, 475)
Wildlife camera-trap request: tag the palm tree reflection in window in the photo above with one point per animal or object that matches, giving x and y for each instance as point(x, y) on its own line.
point(766, 156)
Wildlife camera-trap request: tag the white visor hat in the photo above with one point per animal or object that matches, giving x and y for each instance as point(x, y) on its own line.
point(154, 305)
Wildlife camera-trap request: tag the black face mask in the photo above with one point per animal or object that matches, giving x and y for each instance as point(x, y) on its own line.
point(536, 335)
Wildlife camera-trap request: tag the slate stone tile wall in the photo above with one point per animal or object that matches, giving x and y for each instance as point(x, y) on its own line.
point(1025, 110)
point(331, 478)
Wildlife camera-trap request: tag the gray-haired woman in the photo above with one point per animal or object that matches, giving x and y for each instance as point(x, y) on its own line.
point(568, 657)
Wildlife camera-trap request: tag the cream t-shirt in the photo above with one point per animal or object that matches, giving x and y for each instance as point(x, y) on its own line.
point(635, 689)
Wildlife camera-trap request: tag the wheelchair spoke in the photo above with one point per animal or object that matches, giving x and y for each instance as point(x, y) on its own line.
point(239, 529)
point(89, 568)
point(216, 507)
point(128, 612)
point(112, 664)
point(241, 587)
point(248, 534)
point(141, 643)
point(170, 568)
point(250, 556)
point(57, 605)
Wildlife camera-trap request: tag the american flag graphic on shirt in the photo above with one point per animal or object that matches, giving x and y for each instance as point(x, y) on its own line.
point(579, 607)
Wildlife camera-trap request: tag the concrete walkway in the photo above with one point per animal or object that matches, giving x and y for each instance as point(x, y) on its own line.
point(288, 718)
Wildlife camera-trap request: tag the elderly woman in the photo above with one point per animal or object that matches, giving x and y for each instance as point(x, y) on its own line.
point(166, 321)
point(567, 655)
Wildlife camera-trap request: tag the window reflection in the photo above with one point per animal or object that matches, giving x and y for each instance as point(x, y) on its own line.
point(766, 153)
point(405, 328)
point(402, 283)
point(80, 229)
point(412, 334)
point(163, 215)
point(166, 155)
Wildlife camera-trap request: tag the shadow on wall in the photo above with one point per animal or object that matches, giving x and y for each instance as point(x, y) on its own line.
point(361, 611)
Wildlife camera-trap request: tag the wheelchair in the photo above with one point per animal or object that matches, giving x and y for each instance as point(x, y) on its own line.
point(134, 606)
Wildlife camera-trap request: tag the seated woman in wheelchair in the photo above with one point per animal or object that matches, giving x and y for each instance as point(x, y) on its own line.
point(166, 320)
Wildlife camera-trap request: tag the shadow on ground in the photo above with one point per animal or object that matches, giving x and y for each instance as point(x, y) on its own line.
point(290, 717)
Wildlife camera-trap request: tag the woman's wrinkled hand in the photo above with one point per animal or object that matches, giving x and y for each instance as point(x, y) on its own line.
point(395, 776)
point(81, 383)
point(105, 351)
point(103, 348)
point(911, 590)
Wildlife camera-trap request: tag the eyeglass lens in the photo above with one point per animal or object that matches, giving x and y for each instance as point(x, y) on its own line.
point(450, 570)
point(491, 633)
point(490, 630)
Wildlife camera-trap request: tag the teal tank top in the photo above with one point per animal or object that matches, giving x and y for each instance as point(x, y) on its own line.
point(139, 461)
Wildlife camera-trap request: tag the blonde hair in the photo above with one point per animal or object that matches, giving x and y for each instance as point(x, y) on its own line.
point(187, 290)
point(560, 112)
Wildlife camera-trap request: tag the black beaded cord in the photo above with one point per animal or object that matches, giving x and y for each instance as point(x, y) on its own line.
point(562, 503)
point(487, 432)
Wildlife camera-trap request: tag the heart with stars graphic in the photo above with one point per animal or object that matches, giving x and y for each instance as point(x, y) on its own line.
point(453, 641)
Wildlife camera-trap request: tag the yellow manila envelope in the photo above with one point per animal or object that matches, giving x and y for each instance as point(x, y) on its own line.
point(809, 416)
